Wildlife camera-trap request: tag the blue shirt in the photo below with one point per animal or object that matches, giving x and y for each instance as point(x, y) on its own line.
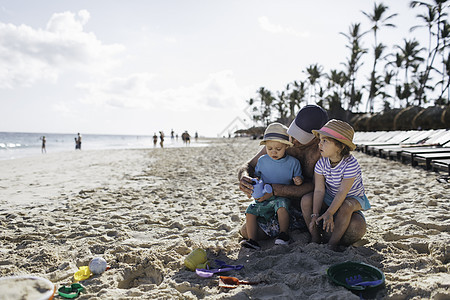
point(279, 171)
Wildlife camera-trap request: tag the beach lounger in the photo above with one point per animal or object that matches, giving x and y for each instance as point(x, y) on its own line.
point(389, 138)
point(437, 138)
point(363, 138)
point(408, 155)
point(441, 164)
point(402, 138)
point(427, 158)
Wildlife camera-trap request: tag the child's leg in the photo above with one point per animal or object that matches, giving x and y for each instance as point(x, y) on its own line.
point(342, 220)
point(252, 226)
point(307, 210)
point(283, 219)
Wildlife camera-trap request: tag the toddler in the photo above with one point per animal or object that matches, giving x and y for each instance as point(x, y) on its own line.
point(275, 167)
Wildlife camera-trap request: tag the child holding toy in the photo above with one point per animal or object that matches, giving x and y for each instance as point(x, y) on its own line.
point(275, 167)
point(338, 190)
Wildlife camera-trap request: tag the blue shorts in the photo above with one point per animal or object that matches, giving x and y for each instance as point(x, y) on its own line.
point(267, 209)
point(365, 205)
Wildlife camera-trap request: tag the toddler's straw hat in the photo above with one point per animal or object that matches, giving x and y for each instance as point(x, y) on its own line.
point(338, 130)
point(276, 132)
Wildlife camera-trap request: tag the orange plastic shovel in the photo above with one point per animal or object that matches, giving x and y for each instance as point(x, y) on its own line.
point(232, 282)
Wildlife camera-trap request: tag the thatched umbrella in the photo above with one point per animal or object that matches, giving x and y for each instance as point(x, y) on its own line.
point(445, 117)
point(429, 118)
point(255, 132)
point(383, 120)
point(404, 119)
point(360, 123)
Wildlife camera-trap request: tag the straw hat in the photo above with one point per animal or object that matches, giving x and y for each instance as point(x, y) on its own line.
point(338, 130)
point(276, 132)
point(308, 118)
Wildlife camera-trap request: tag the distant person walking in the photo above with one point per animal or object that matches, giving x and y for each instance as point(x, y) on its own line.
point(78, 142)
point(43, 149)
point(161, 137)
point(155, 139)
point(186, 137)
point(196, 136)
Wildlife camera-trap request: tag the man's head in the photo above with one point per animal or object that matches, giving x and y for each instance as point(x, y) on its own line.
point(310, 117)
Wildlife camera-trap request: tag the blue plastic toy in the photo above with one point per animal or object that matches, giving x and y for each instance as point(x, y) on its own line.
point(259, 188)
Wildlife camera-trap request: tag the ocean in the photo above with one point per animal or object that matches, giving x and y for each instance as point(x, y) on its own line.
point(23, 144)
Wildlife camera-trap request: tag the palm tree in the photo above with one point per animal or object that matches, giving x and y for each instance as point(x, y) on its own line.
point(396, 65)
point(411, 59)
point(295, 97)
point(336, 82)
point(314, 72)
point(280, 106)
point(445, 86)
point(378, 20)
point(435, 21)
point(353, 64)
point(265, 99)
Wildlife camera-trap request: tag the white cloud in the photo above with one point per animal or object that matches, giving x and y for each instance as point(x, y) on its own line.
point(28, 54)
point(218, 91)
point(279, 29)
point(170, 40)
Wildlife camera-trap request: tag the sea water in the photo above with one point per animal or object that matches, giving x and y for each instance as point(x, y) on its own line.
point(23, 144)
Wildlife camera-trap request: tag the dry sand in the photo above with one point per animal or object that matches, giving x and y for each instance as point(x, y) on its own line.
point(145, 210)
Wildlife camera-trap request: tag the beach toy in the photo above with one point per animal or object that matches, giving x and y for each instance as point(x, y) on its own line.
point(259, 188)
point(26, 287)
point(356, 276)
point(83, 273)
point(357, 280)
point(71, 291)
point(223, 267)
point(196, 258)
point(232, 282)
point(97, 265)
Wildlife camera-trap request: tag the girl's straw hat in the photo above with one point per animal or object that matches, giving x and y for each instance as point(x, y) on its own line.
point(338, 130)
point(276, 132)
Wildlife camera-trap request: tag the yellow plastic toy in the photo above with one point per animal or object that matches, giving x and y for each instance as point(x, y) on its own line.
point(83, 273)
point(196, 259)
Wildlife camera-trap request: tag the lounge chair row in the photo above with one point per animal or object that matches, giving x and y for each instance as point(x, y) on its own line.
point(430, 148)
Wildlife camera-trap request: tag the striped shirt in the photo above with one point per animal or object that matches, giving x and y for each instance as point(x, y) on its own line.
point(348, 167)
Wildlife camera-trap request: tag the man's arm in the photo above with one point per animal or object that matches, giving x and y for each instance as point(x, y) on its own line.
point(293, 191)
point(247, 172)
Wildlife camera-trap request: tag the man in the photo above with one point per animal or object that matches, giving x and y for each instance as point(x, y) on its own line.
point(306, 150)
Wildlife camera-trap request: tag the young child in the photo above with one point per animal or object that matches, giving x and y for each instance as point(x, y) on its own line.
point(275, 167)
point(338, 190)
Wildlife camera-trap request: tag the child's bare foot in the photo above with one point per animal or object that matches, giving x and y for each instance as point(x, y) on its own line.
point(315, 238)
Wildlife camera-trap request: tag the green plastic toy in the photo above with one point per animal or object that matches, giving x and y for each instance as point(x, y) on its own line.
point(356, 276)
point(71, 291)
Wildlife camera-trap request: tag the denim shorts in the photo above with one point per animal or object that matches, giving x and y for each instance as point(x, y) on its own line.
point(365, 205)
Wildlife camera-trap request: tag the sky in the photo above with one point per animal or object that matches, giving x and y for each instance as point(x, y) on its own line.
point(142, 66)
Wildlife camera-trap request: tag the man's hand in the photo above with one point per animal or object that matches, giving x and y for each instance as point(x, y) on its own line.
point(245, 185)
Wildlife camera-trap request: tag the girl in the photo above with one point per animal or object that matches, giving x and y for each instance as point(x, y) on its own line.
point(338, 191)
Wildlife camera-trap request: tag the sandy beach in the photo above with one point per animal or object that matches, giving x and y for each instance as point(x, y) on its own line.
point(145, 210)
